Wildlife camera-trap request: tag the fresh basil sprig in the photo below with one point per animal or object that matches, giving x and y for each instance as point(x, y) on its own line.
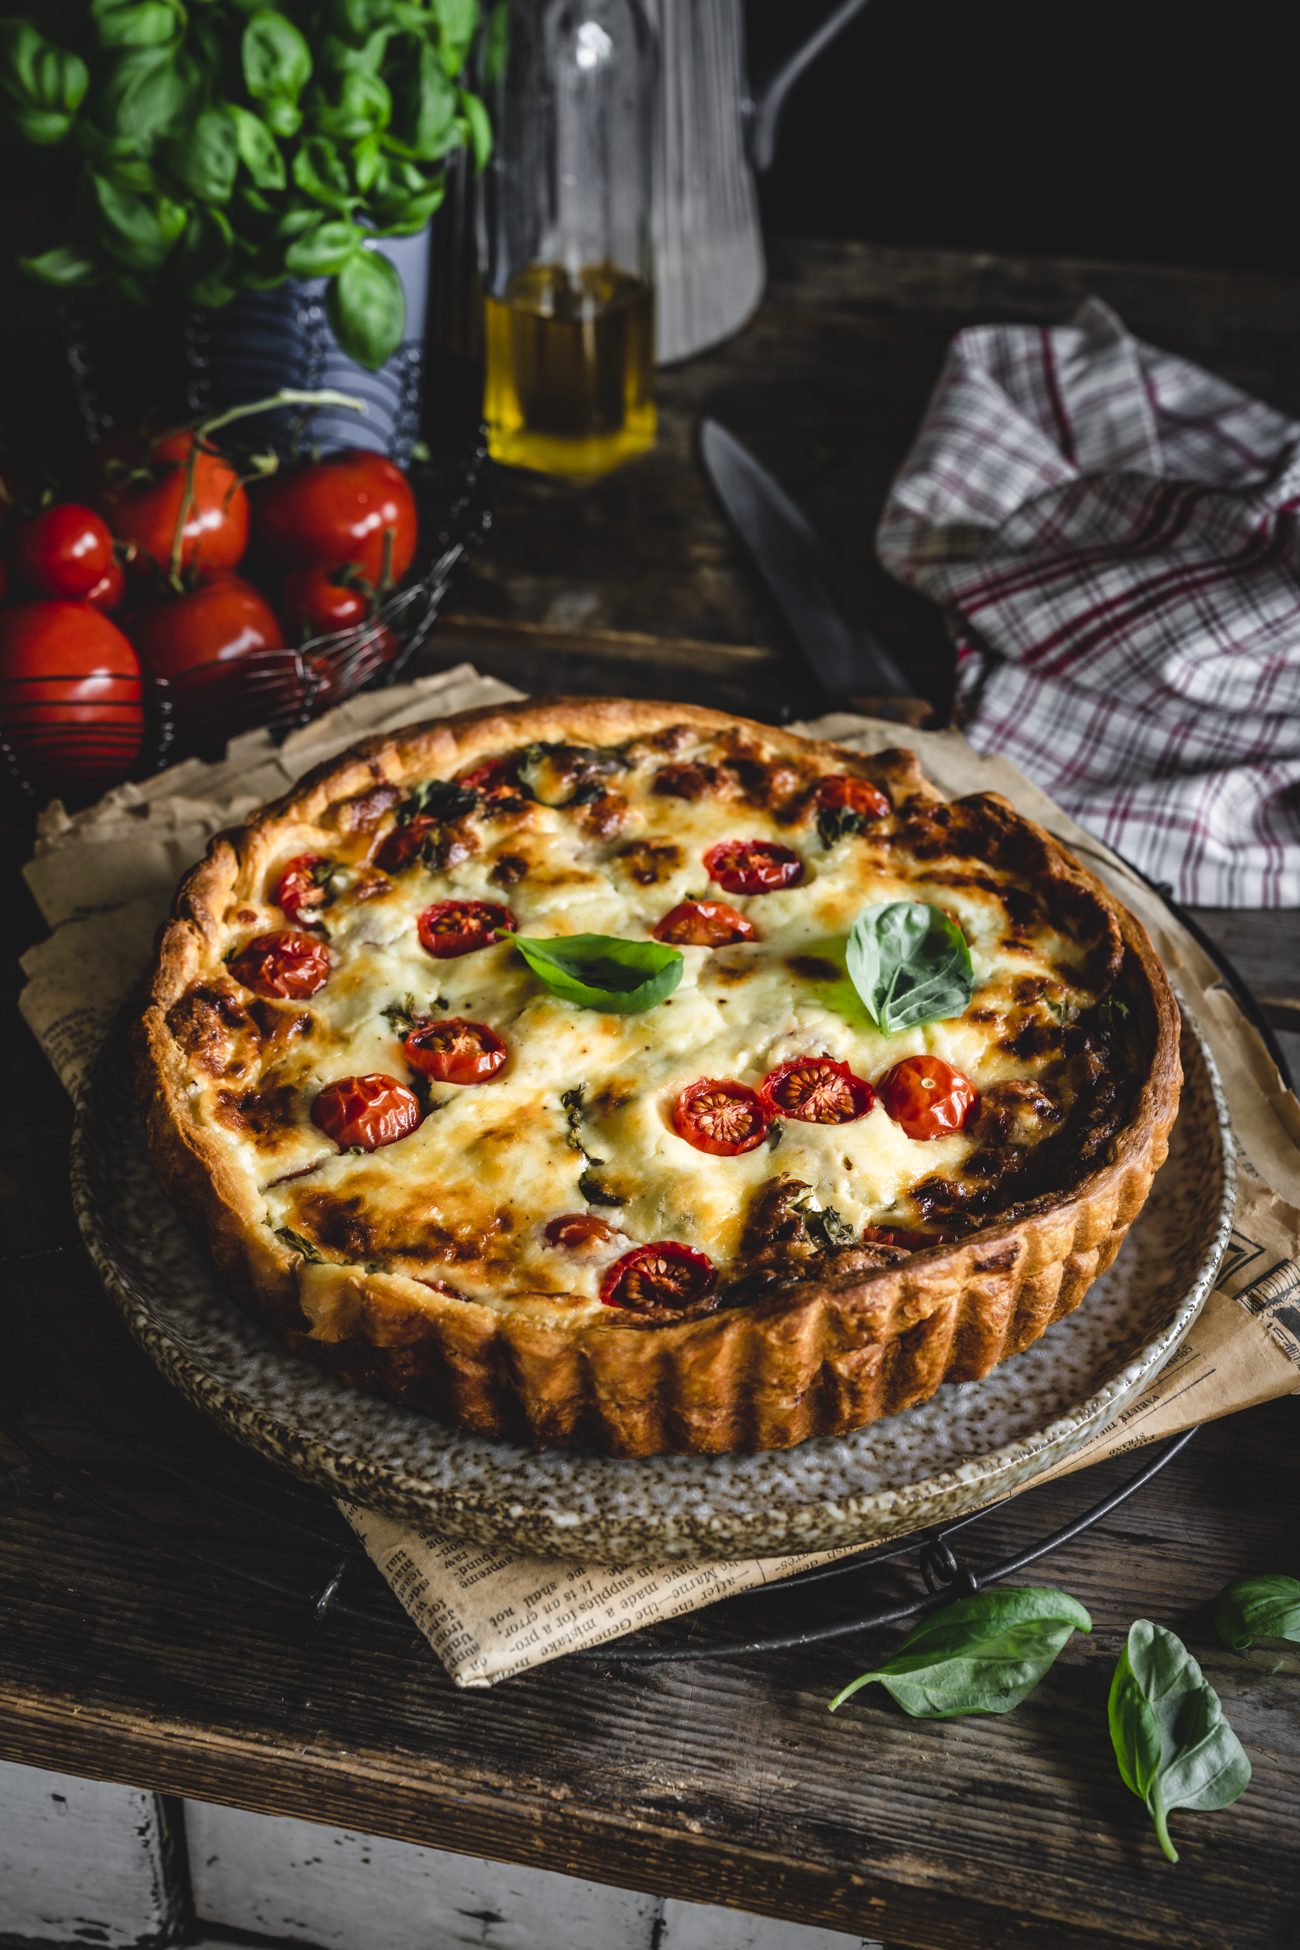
point(978, 1655)
point(910, 964)
point(601, 971)
point(1173, 1746)
point(1258, 1608)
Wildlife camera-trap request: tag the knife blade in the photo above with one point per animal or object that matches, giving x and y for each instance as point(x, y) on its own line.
point(812, 594)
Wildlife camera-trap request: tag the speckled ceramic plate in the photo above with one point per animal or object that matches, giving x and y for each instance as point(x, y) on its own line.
point(966, 1444)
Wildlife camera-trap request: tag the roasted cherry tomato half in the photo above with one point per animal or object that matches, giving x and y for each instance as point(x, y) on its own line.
point(312, 604)
point(367, 1111)
point(926, 1097)
point(659, 1280)
point(108, 592)
point(71, 698)
point(753, 866)
point(147, 484)
point(283, 963)
point(841, 792)
point(905, 1237)
point(574, 1230)
point(336, 511)
point(451, 928)
point(495, 778)
point(63, 551)
point(303, 888)
point(404, 844)
point(455, 1051)
point(816, 1090)
point(720, 1116)
point(705, 924)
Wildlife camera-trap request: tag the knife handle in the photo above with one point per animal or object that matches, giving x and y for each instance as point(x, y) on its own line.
point(898, 710)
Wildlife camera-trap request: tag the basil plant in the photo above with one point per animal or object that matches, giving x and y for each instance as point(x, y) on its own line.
point(199, 148)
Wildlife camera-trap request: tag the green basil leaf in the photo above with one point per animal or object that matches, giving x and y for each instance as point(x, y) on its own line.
point(367, 162)
point(367, 309)
point(203, 259)
point(601, 971)
point(276, 59)
point(977, 1655)
point(478, 127)
point(325, 250)
point(320, 171)
point(63, 267)
point(363, 107)
point(359, 17)
point(43, 85)
point(205, 158)
point(457, 20)
point(258, 150)
point(407, 217)
point(136, 23)
point(138, 231)
point(909, 964)
point(283, 118)
point(1258, 1608)
point(424, 107)
point(146, 96)
point(1172, 1744)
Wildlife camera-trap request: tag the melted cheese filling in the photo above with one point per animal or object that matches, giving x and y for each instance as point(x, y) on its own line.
point(466, 1197)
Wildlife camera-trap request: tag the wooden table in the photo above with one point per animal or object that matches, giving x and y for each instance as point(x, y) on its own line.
point(122, 1659)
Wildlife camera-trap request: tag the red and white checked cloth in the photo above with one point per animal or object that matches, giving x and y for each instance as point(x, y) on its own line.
point(1112, 533)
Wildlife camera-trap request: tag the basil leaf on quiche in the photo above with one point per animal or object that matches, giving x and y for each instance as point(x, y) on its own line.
point(602, 971)
point(910, 964)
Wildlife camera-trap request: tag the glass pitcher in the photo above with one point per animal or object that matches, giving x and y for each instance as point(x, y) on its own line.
point(569, 297)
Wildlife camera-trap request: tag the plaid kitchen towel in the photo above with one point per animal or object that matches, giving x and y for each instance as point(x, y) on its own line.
point(1112, 534)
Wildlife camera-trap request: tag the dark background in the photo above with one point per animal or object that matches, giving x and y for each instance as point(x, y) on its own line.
point(1150, 130)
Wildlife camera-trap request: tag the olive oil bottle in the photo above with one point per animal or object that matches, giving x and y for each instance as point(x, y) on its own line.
point(570, 370)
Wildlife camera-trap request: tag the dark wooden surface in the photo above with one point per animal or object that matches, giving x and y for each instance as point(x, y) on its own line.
point(122, 1657)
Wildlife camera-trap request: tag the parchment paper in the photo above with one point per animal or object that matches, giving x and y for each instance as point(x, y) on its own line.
point(104, 879)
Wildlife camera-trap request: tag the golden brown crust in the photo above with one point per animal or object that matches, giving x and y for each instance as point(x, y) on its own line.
point(811, 1358)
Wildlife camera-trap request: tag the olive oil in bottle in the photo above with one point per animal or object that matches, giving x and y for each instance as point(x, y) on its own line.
point(570, 370)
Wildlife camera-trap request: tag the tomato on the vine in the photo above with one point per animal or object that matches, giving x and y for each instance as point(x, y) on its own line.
point(366, 1112)
point(199, 643)
point(455, 1051)
point(71, 697)
point(283, 964)
point(659, 1280)
point(927, 1097)
point(753, 866)
point(65, 550)
point(351, 507)
point(451, 928)
point(816, 1090)
point(108, 592)
point(303, 887)
point(705, 924)
point(720, 1116)
point(314, 603)
point(147, 483)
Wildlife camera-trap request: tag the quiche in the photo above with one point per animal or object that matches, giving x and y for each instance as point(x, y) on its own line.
point(630, 1076)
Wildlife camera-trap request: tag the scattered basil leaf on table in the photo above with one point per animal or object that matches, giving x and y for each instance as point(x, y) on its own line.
point(601, 971)
point(981, 1654)
point(1173, 1746)
point(1258, 1608)
point(910, 964)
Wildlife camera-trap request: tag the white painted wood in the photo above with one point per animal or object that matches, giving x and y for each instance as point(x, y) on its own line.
point(699, 1926)
point(345, 1891)
point(80, 1861)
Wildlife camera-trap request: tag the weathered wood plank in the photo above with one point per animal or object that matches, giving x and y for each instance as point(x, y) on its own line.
point(86, 1862)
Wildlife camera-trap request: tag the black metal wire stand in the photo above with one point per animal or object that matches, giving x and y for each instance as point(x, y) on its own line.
point(283, 1504)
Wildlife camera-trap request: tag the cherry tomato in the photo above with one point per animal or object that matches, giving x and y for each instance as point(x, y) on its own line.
point(659, 1280)
point(368, 1111)
point(574, 1230)
point(71, 697)
point(455, 1051)
point(343, 667)
point(200, 643)
point(495, 778)
point(312, 604)
point(816, 1090)
point(720, 1117)
point(841, 792)
point(338, 510)
point(282, 963)
point(705, 924)
point(753, 866)
point(109, 590)
point(451, 928)
point(145, 487)
point(63, 551)
point(303, 888)
point(927, 1097)
point(405, 843)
